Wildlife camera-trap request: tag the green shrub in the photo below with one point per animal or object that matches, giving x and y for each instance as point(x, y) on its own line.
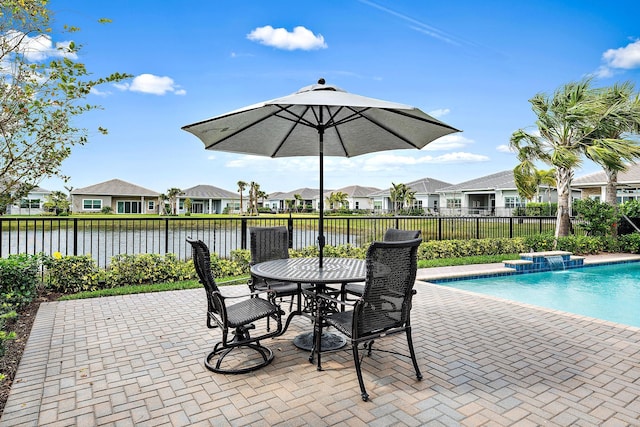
point(222, 267)
point(19, 279)
point(4, 335)
point(580, 245)
point(595, 217)
point(70, 274)
point(630, 243)
point(541, 209)
point(539, 242)
point(147, 268)
point(437, 249)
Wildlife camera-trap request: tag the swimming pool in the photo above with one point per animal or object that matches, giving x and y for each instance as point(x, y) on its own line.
point(608, 292)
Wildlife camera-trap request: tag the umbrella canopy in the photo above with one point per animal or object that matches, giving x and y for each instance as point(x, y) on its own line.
point(319, 120)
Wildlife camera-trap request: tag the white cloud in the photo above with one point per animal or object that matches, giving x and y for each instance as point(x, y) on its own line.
point(504, 148)
point(155, 85)
point(301, 38)
point(95, 91)
point(38, 48)
point(382, 162)
point(448, 142)
point(625, 58)
point(439, 113)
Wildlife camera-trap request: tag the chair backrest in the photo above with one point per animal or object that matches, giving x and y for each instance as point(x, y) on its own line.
point(395, 235)
point(391, 274)
point(202, 263)
point(268, 243)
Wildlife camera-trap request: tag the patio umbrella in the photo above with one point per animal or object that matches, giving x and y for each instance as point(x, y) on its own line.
point(319, 120)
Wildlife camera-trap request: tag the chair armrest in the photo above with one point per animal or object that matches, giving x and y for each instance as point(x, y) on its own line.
point(331, 299)
point(249, 294)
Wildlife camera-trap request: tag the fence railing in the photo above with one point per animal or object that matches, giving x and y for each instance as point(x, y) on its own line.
point(102, 238)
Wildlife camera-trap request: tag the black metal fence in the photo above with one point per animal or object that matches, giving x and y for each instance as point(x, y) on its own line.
point(103, 238)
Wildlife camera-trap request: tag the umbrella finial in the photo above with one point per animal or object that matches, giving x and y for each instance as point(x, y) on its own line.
point(321, 81)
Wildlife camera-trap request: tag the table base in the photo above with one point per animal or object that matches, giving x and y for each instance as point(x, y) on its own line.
point(328, 341)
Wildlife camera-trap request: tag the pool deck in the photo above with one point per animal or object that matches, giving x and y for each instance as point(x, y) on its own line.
point(462, 271)
point(137, 361)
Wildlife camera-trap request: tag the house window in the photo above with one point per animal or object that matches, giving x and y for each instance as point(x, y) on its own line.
point(151, 206)
point(126, 207)
point(454, 203)
point(357, 205)
point(30, 203)
point(91, 204)
point(513, 202)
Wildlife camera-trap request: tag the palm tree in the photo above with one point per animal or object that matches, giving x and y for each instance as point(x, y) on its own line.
point(528, 182)
point(618, 116)
point(398, 193)
point(241, 186)
point(409, 198)
point(565, 134)
point(172, 195)
point(262, 195)
point(254, 189)
point(341, 199)
point(299, 201)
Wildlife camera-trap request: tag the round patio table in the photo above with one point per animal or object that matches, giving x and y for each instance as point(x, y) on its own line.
point(307, 270)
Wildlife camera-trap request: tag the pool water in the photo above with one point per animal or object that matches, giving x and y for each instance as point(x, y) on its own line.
point(608, 292)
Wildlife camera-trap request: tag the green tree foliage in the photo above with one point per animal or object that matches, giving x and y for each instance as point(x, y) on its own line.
point(241, 186)
point(43, 88)
point(57, 202)
point(571, 124)
point(595, 217)
point(172, 197)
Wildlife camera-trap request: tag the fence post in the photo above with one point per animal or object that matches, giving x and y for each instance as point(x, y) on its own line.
point(477, 228)
point(290, 229)
point(540, 225)
point(243, 233)
point(398, 223)
point(348, 230)
point(75, 236)
point(439, 228)
point(511, 227)
point(166, 236)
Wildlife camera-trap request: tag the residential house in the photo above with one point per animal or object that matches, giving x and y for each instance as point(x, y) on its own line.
point(494, 194)
point(594, 185)
point(207, 199)
point(426, 196)
point(31, 204)
point(121, 196)
point(357, 197)
point(278, 201)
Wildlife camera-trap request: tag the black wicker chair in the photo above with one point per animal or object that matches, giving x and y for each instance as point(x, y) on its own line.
point(271, 243)
point(236, 319)
point(384, 308)
point(391, 235)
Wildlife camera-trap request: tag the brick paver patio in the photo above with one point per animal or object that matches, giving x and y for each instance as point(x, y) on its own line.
point(137, 360)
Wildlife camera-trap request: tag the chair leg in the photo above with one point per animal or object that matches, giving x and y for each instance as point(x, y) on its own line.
point(221, 353)
point(413, 354)
point(317, 339)
point(356, 361)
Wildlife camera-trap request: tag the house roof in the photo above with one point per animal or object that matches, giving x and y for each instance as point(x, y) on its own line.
point(354, 191)
point(115, 187)
point(631, 177)
point(498, 181)
point(421, 186)
point(305, 193)
point(208, 192)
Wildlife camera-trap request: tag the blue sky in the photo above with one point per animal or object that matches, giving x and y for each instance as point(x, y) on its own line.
point(473, 65)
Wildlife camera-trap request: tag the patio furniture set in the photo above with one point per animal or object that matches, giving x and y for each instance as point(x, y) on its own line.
point(363, 300)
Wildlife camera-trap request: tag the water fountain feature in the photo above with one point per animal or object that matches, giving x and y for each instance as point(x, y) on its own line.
point(556, 262)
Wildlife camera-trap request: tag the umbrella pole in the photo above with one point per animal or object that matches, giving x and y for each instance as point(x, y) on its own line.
point(321, 205)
